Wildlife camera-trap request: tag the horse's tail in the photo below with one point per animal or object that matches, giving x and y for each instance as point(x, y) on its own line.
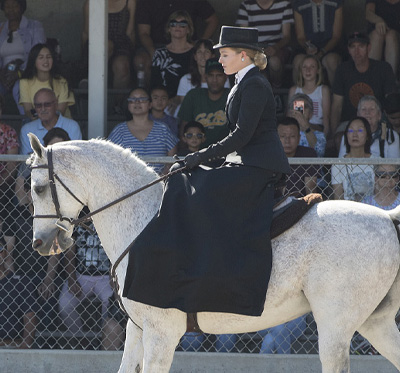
point(395, 215)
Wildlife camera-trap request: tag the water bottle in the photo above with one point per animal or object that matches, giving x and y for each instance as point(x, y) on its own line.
point(140, 76)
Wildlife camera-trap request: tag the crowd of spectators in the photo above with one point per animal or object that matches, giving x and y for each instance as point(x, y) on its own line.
point(342, 95)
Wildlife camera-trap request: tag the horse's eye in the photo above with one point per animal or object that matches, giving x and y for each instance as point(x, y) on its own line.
point(39, 189)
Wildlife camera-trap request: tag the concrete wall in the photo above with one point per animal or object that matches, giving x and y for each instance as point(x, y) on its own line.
point(62, 19)
point(67, 361)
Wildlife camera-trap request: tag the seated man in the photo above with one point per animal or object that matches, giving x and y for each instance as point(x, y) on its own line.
point(303, 179)
point(18, 306)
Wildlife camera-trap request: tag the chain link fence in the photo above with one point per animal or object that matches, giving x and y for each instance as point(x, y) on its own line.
point(66, 301)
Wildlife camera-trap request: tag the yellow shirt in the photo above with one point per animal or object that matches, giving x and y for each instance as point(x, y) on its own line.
point(28, 89)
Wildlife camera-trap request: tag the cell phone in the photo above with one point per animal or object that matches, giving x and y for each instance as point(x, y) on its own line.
point(298, 106)
point(34, 113)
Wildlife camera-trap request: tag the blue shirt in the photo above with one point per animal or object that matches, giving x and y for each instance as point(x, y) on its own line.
point(158, 142)
point(36, 127)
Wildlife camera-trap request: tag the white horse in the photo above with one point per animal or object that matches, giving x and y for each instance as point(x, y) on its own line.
point(341, 261)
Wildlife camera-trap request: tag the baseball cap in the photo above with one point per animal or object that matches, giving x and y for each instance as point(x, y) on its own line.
point(359, 37)
point(213, 64)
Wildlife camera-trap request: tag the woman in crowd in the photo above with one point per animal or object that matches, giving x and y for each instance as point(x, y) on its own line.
point(386, 196)
point(42, 72)
point(309, 82)
point(355, 182)
point(171, 62)
point(18, 35)
point(142, 135)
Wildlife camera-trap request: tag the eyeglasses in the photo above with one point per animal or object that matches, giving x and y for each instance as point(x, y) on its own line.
point(141, 100)
point(360, 130)
point(386, 175)
point(175, 23)
point(10, 37)
point(39, 105)
point(190, 135)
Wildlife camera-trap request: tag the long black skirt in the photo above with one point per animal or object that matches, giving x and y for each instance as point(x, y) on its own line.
point(208, 248)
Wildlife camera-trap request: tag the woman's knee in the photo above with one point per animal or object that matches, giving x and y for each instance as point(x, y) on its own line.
point(120, 65)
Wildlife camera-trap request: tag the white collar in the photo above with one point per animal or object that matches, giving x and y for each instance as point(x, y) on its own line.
point(241, 73)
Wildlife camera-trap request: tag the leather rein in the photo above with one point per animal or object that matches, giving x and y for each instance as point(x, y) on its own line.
point(80, 221)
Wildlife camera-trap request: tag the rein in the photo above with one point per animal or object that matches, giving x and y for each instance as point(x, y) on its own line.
point(53, 176)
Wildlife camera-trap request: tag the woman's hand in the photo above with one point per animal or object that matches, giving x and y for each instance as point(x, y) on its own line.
point(381, 28)
point(299, 116)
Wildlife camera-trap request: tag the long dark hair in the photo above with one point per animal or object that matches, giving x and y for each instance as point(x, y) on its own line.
point(368, 142)
point(195, 77)
point(31, 71)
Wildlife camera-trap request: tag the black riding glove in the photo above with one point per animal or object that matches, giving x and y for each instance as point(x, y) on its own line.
point(193, 160)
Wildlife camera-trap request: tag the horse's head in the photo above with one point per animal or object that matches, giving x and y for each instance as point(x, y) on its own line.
point(55, 204)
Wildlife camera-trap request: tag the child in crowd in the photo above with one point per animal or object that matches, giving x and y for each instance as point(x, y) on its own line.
point(159, 102)
point(193, 137)
point(42, 72)
point(309, 82)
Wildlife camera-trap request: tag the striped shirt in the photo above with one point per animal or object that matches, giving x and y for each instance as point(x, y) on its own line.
point(268, 21)
point(158, 142)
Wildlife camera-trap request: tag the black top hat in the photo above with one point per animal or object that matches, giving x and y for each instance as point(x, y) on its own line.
point(238, 37)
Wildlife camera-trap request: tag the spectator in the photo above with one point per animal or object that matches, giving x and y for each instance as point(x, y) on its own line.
point(8, 145)
point(171, 62)
point(141, 134)
point(152, 16)
point(41, 272)
point(300, 107)
point(319, 30)
point(201, 52)
point(194, 134)
point(87, 268)
point(159, 102)
point(279, 338)
point(354, 182)
point(18, 306)
point(207, 105)
point(309, 82)
point(45, 104)
point(384, 31)
point(42, 72)
point(391, 107)
point(303, 178)
point(55, 135)
point(18, 35)
point(121, 39)
point(358, 77)
point(385, 141)
point(273, 19)
point(114, 326)
point(385, 196)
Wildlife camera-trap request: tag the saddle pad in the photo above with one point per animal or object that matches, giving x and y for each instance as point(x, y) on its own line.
point(292, 213)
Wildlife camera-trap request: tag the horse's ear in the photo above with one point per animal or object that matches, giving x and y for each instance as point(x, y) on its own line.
point(36, 145)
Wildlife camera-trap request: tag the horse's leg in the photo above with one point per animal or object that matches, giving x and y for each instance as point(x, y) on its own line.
point(161, 335)
point(132, 358)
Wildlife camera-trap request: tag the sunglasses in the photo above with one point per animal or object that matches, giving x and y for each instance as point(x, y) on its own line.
point(360, 130)
point(141, 100)
point(190, 135)
point(386, 175)
point(175, 23)
point(39, 105)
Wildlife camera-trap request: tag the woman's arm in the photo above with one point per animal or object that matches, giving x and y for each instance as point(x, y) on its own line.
point(336, 34)
point(299, 28)
point(380, 24)
point(338, 191)
point(130, 29)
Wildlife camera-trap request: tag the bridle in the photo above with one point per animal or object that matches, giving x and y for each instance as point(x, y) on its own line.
point(80, 221)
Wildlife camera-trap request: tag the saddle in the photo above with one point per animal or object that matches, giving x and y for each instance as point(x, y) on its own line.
point(286, 212)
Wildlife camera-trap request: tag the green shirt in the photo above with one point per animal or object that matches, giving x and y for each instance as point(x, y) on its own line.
point(211, 114)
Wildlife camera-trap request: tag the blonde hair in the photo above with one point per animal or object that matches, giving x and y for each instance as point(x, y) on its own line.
point(183, 14)
point(300, 79)
point(258, 58)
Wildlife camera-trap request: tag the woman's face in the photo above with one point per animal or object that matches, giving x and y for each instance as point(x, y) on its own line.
point(371, 113)
point(356, 134)
point(386, 176)
point(309, 69)
point(202, 55)
point(12, 10)
point(44, 61)
point(178, 28)
point(230, 60)
point(139, 102)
